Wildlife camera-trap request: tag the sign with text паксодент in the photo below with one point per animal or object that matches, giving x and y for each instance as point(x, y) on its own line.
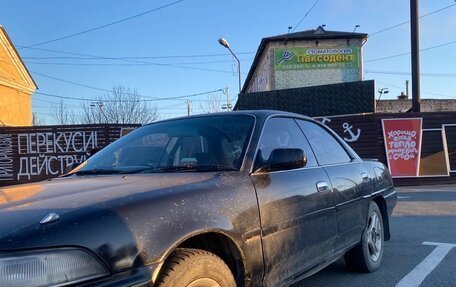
point(402, 139)
point(300, 58)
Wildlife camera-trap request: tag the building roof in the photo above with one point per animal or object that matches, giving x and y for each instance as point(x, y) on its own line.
point(14, 59)
point(314, 34)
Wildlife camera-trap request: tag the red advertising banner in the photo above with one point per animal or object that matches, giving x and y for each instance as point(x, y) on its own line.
point(402, 139)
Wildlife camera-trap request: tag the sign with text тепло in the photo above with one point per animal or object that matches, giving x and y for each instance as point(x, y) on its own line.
point(402, 139)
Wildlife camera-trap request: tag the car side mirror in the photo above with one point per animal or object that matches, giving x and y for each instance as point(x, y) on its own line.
point(283, 159)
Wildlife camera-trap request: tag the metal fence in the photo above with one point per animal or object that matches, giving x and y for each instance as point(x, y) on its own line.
point(438, 152)
point(30, 154)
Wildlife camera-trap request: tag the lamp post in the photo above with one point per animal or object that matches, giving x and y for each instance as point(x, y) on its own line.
point(225, 44)
point(381, 92)
point(99, 104)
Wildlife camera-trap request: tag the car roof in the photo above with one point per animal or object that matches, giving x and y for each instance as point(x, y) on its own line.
point(260, 114)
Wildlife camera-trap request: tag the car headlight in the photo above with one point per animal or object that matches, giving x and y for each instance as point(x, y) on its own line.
point(57, 267)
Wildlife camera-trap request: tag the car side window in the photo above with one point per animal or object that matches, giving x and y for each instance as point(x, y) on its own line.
point(326, 148)
point(283, 133)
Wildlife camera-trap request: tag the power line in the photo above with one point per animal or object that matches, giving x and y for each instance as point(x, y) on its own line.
point(407, 53)
point(105, 25)
point(406, 22)
point(151, 100)
point(174, 106)
point(437, 75)
point(399, 87)
point(134, 61)
point(130, 65)
point(387, 57)
point(178, 106)
point(142, 62)
point(47, 107)
point(305, 15)
point(85, 56)
point(185, 96)
point(51, 102)
point(105, 90)
point(84, 85)
point(126, 57)
point(181, 66)
point(61, 97)
point(42, 114)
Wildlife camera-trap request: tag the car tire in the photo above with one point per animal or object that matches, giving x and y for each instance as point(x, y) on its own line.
point(195, 268)
point(367, 255)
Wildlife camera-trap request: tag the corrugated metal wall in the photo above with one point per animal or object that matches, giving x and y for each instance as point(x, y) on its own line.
point(335, 99)
point(30, 154)
point(370, 143)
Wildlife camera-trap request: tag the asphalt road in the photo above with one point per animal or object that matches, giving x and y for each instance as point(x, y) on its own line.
point(423, 214)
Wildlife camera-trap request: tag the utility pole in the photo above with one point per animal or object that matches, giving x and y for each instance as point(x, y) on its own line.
point(407, 88)
point(415, 45)
point(228, 102)
point(189, 107)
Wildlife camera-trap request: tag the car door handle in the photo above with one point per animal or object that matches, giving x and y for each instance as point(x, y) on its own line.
point(365, 177)
point(322, 186)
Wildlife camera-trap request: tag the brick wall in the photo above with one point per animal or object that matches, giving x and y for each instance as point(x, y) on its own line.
point(427, 105)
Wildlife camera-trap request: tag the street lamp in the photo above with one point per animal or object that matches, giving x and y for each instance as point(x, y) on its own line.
point(225, 44)
point(99, 104)
point(381, 92)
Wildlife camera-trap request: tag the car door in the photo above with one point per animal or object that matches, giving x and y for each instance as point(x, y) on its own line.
point(298, 220)
point(350, 182)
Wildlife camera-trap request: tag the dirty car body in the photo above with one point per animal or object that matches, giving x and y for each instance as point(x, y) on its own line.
point(227, 183)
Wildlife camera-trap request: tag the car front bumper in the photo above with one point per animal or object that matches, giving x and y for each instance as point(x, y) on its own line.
point(139, 277)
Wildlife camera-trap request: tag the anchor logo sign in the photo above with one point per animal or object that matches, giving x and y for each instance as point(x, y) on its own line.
point(348, 128)
point(324, 120)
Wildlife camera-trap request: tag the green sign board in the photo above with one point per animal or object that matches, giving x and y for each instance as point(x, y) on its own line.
point(316, 58)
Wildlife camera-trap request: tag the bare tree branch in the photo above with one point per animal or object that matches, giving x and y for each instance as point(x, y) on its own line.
point(213, 103)
point(120, 106)
point(61, 115)
point(36, 121)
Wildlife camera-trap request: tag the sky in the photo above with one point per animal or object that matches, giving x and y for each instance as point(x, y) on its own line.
point(173, 51)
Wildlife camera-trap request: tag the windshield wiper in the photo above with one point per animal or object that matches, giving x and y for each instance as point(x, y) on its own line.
point(99, 171)
point(214, 168)
point(186, 168)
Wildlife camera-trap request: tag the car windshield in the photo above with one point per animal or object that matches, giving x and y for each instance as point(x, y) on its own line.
point(212, 143)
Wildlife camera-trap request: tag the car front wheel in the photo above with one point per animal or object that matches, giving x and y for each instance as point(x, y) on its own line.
point(368, 254)
point(195, 268)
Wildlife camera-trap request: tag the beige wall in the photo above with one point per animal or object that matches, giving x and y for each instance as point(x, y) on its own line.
point(15, 107)
point(16, 86)
point(262, 76)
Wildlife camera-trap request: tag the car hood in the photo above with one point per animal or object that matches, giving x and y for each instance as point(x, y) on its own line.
point(22, 206)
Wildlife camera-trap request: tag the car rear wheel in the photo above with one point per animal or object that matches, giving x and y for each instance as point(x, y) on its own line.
point(195, 268)
point(368, 254)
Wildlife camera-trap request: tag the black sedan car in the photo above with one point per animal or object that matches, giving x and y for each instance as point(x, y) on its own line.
point(251, 198)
